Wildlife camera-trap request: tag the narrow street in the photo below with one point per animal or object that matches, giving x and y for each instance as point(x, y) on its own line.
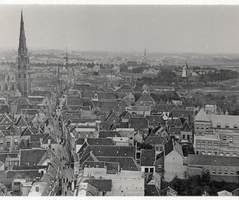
point(67, 175)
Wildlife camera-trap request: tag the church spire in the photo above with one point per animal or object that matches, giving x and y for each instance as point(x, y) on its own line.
point(22, 49)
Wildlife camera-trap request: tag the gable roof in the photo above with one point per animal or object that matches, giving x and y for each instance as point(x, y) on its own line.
point(139, 123)
point(31, 157)
point(26, 132)
point(21, 121)
point(145, 99)
point(202, 116)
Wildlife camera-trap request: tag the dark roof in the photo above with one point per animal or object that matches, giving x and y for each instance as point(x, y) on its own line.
point(151, 190)
point(24, 173)
point(26, 132)
point(100, 184)
point(212, 160)
point(21, 121)
point(161, 108)
point(15, 167)
point(80, 141)
point(105, 134)
point(74, 101)
point(31, 157)
point(49, 137)
point(147, 157)
point(155, 140)
point(125, 163)
point(168, 147)
point(24, 144)
point(186, 127)
point(100, 141)
point(110, 150)
point(139, 123)
point(181, 112)
point(107, 109)
point(154, 120)
point(4, 155)
point(41, 93)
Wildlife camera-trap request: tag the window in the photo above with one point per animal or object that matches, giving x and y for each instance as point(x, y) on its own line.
point(197, 126)
point(207, 126)
point(224, 138)
point(183, 136)
point(151, 169)
point(8, 143)
point(227, 125)
point(1, 142)
point(214, 171)
point(159, 166)
point(188, 137)
point(215, 146)
point(235, 126)
point(231, 139)
point(203, 146)
point(16, 142)
point(231, 172)
point(225, 172)
point(220, 172)
point(209, 145)
point(218, 125)
point(146, 170)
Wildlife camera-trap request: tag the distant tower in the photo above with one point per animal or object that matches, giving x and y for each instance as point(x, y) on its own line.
point(22, 72)
point(70, 69)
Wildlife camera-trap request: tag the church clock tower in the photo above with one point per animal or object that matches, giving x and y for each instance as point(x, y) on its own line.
point(22, 72)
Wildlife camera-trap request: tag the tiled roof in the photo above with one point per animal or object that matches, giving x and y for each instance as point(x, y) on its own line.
point(147, 157)
point(201, 116)
point(3, 156)
point(224, 120)
point(161, 108)
point(125, 163)
point(107, 109)
point(106, 95)
point(154, 120)
point(181, 112)
point(32, 174)
point(140, 108)
point(80, 141)
point(30, 157)
point(100, 184)
point(49, 137)
point(202, 160)
point(139, 123)
point(155, 140)
point(100, 141)
point(168, 147)
point(24, 144)
point(21, 121)
point(145, 99)
point(105, 134)
point(26, 132)
point(110, 150)
point(41, 93)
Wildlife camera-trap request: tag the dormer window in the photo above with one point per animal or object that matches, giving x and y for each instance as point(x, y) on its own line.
point(227, 125)
point(96, 96)
point(219, 125)
point(235, 126)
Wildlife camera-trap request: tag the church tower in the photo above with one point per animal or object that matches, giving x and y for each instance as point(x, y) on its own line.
point(22, 72)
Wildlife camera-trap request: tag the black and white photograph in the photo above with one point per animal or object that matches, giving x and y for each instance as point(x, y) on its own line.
point(119, 99)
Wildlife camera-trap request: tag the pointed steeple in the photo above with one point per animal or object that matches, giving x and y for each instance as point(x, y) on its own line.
point(22, 49)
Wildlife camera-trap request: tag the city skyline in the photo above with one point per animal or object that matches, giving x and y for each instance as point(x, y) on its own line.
point(124, 28)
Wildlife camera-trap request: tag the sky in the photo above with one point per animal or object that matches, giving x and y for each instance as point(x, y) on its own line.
point(127, 28)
